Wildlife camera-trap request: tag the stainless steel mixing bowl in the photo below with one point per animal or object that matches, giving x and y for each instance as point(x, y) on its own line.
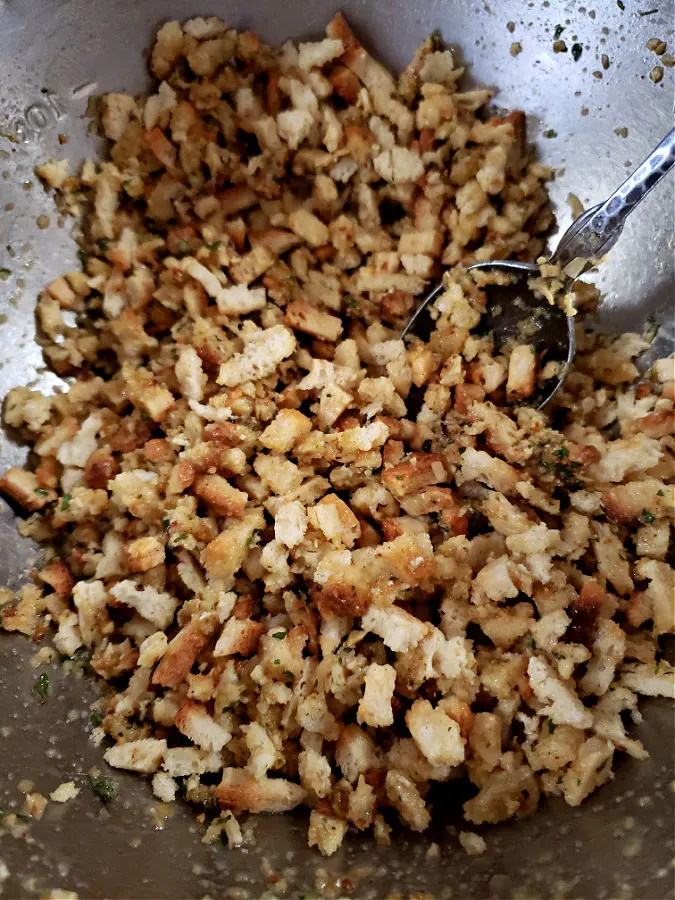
point(591, 121)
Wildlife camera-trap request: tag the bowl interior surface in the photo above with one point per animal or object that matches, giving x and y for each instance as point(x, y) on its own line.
point(592, 123)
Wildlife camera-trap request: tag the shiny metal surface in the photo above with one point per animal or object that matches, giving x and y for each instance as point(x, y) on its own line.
point(53, 55)
point(596, 232)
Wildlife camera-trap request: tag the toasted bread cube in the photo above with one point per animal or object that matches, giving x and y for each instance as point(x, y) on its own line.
point(290, 523)
point(355, 752)
point(144, 553)
point(279, 474)
point(239, 636)
point(167, 48)
point(155, 606)
point(224, 555)
point(260, 357)
point(309, 227)
point(405, 797)
point(285, 430)
point(220, 496)
point(326, 832)
point(152, 649)
point(436, 734)
point(61, 291)
point(565, 707)
point(24, 487)
point(336, 520)
point(156, 401)
point(624, 502)
point(399, 165)
point(315, 772)
point(240, 790)
point(197, 725)
point(477, 465)
point(252, 266)
point(303, 316)
point(318, 53)
point(181, 653)
point(420, 470)
point(398, 629)
point(375, 705)
point(294, 125)
point(144, 755)
point(520, 382)
point(332, 403)
point(415, 242)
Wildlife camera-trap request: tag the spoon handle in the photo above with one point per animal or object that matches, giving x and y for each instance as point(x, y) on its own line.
point(597, 230)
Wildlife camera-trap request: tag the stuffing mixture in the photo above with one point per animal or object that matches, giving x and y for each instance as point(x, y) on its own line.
point(320, 566)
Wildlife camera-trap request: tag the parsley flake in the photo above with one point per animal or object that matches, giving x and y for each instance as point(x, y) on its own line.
point(41, 687)
point(104, 788)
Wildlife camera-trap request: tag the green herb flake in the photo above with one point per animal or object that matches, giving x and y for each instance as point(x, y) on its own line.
point(213, 246)
point(647, 516)
point(165, 524)
point(549, 133)
point(558, 31)
point(660, 494)
point(65, 501)
point(104, 788)
point(279, 635)
point(462, 450)
point(277, 662)
point(562, 451)
point(648, 12)
point(551, 726)
point(651, 329)
point(577, 50)
point(288, 673)
point(83, 257)
point(181, 537)
point(41, 687)
point(621, 5)
point(5, 273)
point(103, 246)
point(41, 492)
point(95, 719)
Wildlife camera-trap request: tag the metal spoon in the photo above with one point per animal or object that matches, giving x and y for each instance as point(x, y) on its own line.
point(587, 239)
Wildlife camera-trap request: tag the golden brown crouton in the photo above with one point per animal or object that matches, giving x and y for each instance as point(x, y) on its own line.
point(181, 653)
point(303, 316)
point(418, 471)
point(220, 496)
point(241, 790)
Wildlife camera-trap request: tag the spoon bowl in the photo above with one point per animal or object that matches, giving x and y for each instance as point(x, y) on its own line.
point(516, 312)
